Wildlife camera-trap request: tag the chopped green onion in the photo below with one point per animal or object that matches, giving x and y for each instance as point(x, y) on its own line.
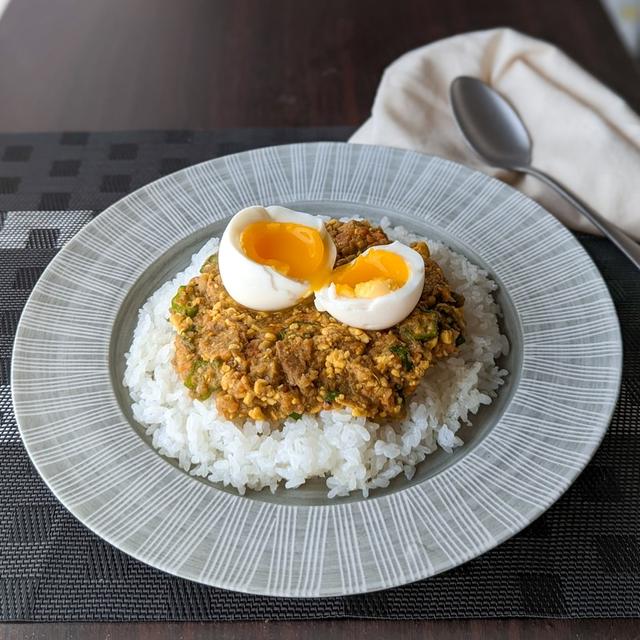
point(295, 416)
point(190, 312)
point(175, 305)
point(420, 328)
point(187, 310)
point(189, 381)
point(213, 259)
point(402, 352)
point(330, 396)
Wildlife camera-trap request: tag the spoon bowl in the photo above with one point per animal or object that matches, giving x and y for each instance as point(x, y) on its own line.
point(496, 133)
point(490, 124)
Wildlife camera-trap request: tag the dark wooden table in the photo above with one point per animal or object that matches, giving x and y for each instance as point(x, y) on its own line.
point(199, 64)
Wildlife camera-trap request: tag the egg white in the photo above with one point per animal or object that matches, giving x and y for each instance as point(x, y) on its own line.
point(259, 286)
point(374, 314)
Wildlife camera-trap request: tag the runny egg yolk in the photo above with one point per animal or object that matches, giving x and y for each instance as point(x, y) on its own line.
point(371, 275)
point(294, 250)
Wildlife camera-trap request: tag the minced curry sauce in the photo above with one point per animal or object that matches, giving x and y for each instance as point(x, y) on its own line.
point(274, 365)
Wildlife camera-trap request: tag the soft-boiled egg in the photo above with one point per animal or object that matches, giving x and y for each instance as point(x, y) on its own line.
point(272, 257)
point(377, 289)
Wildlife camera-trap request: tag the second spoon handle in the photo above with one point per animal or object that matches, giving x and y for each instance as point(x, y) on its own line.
point(627, 245)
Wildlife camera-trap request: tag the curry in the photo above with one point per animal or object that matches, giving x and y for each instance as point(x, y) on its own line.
point(273, 365)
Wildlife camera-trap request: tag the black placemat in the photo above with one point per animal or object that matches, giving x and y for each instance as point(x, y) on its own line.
point(581, 558)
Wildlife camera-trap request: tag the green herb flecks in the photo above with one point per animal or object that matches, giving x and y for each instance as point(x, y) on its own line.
point(210, 261)
point(190, 381)
point(178, 307)
point(420, 328)
point(402, 352)
point(330, 396)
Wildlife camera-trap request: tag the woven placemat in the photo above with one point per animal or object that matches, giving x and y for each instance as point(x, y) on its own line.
point(581, 558)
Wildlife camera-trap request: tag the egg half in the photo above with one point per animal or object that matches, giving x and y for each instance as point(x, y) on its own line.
point(272, 257)
point(377, 289)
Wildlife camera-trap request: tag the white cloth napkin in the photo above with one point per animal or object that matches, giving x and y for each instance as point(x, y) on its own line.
point(583, 134)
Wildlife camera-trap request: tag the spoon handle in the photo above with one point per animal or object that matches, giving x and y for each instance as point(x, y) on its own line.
point(627, 245)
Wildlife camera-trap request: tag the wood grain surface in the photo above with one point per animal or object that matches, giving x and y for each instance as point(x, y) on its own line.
point(333, 630)
point(199, 64)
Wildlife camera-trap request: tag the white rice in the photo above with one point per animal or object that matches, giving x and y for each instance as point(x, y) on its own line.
point(351, 453)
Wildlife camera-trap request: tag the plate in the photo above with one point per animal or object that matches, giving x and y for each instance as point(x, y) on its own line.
point(520, 455)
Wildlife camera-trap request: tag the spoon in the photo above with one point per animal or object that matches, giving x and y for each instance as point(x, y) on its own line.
point(497, 134)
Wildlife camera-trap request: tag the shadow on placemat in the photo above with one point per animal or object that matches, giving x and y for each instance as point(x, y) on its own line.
point(580, 559)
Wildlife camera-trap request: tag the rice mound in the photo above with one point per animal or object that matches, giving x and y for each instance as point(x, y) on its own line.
point(352, 453)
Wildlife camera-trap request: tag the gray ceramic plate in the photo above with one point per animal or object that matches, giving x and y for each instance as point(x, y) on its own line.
point(520, 454)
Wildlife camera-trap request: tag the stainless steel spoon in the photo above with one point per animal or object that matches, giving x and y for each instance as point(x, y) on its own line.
point(497, 134)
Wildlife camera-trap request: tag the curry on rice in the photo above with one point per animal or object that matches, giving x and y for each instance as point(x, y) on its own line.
point(274, 365)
